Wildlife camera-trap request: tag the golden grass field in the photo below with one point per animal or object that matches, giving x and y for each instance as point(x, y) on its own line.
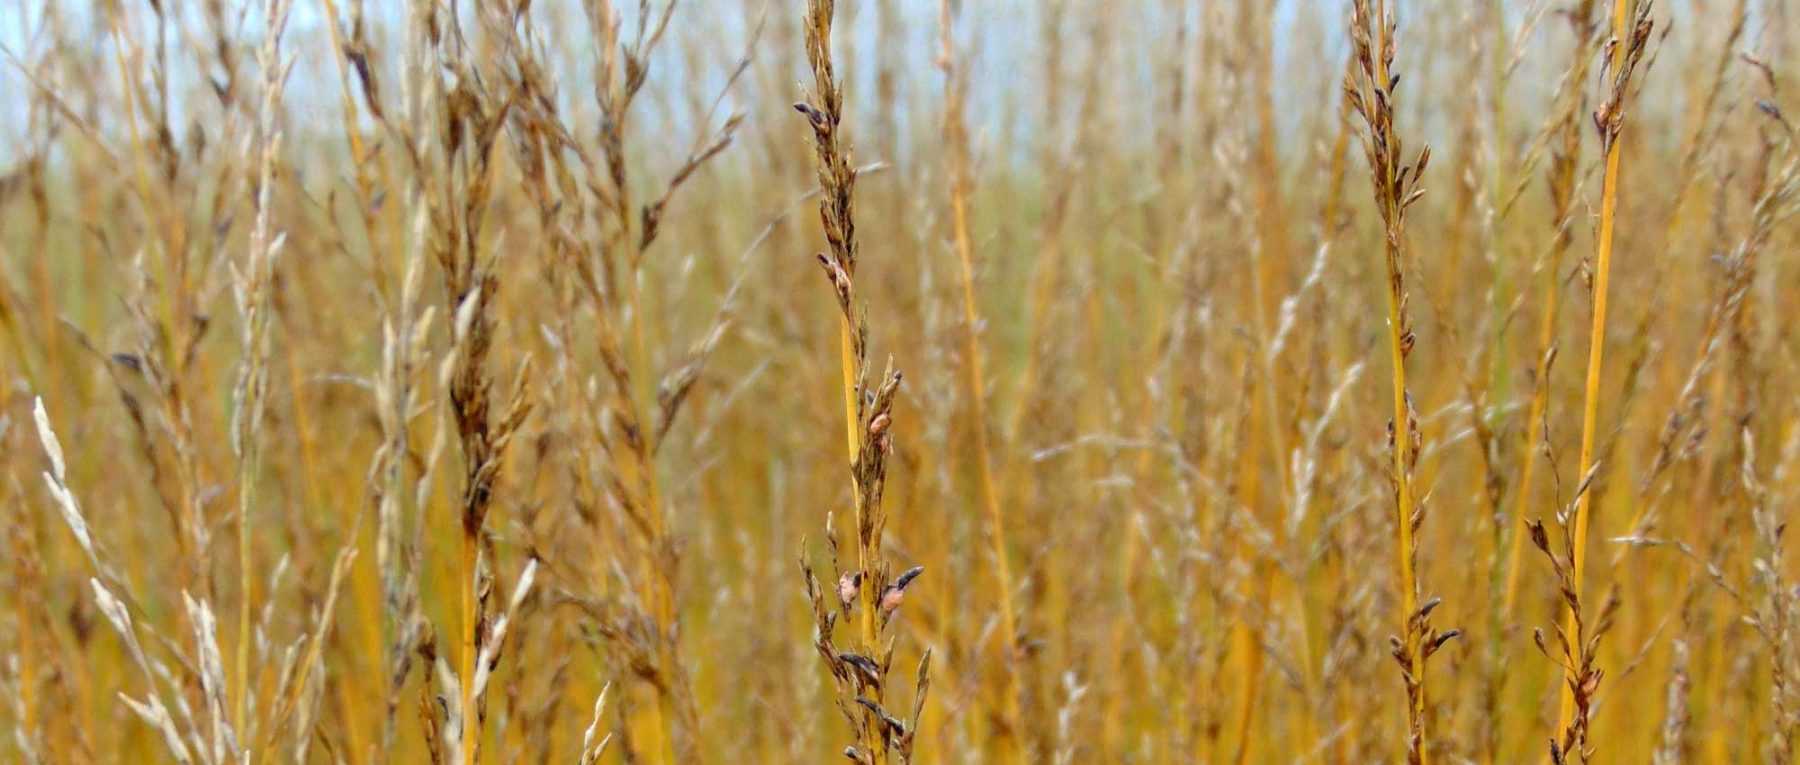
point(1005, 381)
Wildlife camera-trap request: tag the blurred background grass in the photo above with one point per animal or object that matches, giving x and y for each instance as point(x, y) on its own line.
point(1178, 271)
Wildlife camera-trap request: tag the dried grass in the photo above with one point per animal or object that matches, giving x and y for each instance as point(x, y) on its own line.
point(447, 382)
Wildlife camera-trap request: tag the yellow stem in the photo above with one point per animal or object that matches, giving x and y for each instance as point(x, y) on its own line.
point(245, 584)
point(865, 554)
point(866, 621)
point(27, 667)
point(1534, 429)
point(467, 611)
point(1245, 641)
point(1402, 436)
point(1409, 600)
point(1609, 202)
point(959, 217)
point(642, 470)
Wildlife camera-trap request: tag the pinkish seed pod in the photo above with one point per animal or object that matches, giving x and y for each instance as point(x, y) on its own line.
point(847, 586)
point(890, 600)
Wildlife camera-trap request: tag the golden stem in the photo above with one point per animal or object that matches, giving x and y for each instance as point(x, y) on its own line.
point(1609, 203)
point(467, 611)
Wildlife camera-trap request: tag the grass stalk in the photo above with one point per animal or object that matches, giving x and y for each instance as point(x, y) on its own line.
point(861, 676)
point(1562, 179)
point(1626, 47)
point(252, 288)
point(956, 141)
point(1396, 188)
point(1401, 433)
point(1142, 459)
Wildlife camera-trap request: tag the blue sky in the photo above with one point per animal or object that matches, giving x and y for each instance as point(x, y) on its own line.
point(1005, 32)
point(1006, 43)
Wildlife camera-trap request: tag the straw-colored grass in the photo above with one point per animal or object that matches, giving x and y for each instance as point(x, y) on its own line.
point(460, 382)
